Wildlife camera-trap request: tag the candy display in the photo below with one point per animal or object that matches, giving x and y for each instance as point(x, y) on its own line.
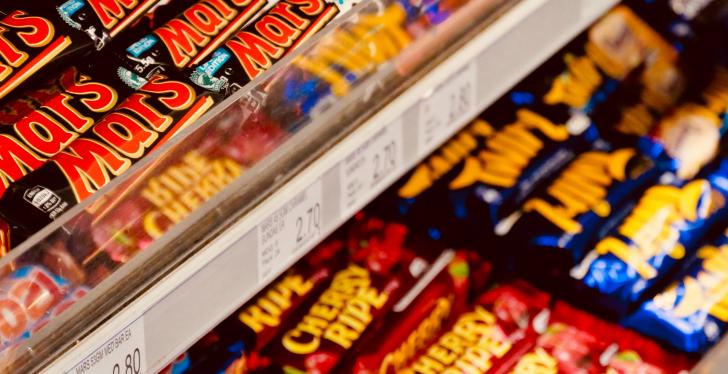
point(576, 225)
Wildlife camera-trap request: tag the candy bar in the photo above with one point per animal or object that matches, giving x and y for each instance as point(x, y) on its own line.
point(238, 339)
point(348, 54)
point(190, 37)
point(47, 119)
point(690, 137)
point(29, 296)
point(690, 314)
point(59, 32)
point(576, 342)
point(257, 46)
point(146, 119)
point(374, 280)
point(417, 319)
point(557, 225)
point(656, 234)
point(72, 104)
point(494, 331)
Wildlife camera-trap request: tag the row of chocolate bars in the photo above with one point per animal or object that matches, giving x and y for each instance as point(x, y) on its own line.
point(601, 179)
point(90, 87)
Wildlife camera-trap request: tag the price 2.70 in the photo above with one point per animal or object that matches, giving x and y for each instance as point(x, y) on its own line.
point(132, 364)
point(308, 223)
point(385, 161)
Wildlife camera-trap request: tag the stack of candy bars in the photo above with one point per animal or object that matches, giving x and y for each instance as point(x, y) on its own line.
point(592, 198)
point(377, 298)
point(88, 88)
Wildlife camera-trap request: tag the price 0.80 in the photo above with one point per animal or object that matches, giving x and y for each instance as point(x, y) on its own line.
point(385, 161)
point(308, 223)
point(132, 364)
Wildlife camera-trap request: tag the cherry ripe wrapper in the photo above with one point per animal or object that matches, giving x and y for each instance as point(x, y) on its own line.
point(654, 236)
point(690, 314)
point(577, 342)
point(236, 342)
point(418, 318)
point(379, 272)
point(497, 329)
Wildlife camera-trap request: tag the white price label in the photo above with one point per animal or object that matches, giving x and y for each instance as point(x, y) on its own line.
point(124, 353)
point(373, 163)
point(440, 113)
point(290, 228)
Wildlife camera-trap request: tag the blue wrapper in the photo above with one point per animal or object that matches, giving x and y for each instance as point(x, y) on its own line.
point(558, 225)
point(482, 175)
point(692, 313)
point(664, 227)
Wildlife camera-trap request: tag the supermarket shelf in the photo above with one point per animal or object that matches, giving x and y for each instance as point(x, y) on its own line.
point(178, 309)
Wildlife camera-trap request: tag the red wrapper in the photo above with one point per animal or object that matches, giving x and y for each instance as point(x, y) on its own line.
point(138, 125)
point(379, 273)
point(577, 342)
point(489, 336)
point(418, 318)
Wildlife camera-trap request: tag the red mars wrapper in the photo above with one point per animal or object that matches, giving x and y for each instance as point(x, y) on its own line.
point(40, 37)
point(68, 107)
point(146, 119)
point(188, 38)
point(43, 121)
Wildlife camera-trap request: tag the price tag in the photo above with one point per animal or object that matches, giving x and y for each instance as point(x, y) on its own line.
point(124, 353)
point(290, 228)
point(442, 113)
point(370, 165)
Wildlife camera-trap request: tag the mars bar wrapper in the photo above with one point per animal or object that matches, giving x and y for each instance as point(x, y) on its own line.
point(253, 49)
point(151, 116)
point(189, 37)
point(40, 36)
